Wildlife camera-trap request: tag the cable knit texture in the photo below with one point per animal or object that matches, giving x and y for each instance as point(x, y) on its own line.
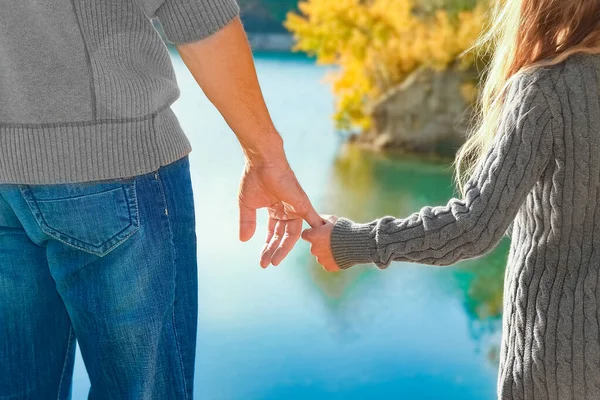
point(542, 175)
point(86, 86)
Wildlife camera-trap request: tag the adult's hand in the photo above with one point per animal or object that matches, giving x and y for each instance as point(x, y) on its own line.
point(274, 186)
point(223, 66)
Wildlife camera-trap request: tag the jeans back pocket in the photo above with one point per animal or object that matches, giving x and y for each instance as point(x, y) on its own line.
point(89, 216)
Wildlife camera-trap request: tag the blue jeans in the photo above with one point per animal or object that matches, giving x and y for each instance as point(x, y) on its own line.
point(111, 264)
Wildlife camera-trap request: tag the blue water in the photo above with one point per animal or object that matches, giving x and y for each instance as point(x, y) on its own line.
point(295, 332)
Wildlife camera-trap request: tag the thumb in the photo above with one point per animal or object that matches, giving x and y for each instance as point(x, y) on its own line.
point(308, 234)
point(247, 223)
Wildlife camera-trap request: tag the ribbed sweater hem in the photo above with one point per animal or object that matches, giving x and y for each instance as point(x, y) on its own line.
point(353, 243)
point(188, 21)
point(90, 151)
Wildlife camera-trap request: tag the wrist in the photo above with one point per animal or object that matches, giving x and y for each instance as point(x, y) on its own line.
point(353, 243)
point(268, 150)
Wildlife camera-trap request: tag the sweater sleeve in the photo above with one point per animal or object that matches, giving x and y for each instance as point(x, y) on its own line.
point(186, 21)
point(469, 227)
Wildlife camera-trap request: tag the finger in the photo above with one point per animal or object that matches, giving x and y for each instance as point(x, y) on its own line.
point(267, 254)
point(325, 264)
point(331, 266)
point(270, 233)
point(329, 218)
point(293, 229)
point(299, 201)
point(309, 214)
point(308, 234)
point(247, 223)
point(313, 218)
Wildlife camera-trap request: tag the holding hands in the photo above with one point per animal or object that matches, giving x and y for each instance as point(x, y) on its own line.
point(320, 243)
point(273, 185)
point(223, 66)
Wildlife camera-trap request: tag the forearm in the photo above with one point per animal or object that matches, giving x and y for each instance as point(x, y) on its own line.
point(223, 66)
point(473, 226)
point(435, 236)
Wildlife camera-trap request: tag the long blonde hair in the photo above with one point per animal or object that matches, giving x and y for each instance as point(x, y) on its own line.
point(525, 34)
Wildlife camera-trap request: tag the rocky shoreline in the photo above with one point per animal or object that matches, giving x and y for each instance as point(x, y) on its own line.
point(429, 114)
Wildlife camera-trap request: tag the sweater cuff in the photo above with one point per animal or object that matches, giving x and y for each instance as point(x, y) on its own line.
point(186, 21)
point(353, 243)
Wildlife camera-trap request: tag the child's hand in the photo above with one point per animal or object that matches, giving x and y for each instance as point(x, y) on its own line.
point(320, 243)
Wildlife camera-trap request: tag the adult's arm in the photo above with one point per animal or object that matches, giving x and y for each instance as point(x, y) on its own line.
point(220, 59)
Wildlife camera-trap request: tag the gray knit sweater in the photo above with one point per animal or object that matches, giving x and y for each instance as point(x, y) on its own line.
point(543, 174)
point(86, 85)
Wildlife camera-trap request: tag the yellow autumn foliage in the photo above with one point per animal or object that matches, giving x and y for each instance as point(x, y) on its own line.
point(378, 43)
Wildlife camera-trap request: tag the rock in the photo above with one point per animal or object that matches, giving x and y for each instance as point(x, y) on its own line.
point(427, 113)
point(383, 141)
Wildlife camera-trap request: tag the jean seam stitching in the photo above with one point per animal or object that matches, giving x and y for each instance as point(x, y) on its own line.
point(185, 392)
point(59, 236)
point(62, 374)
point(79, 196)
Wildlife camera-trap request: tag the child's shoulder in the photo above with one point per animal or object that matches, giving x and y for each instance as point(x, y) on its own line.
point(574, 79)
point(577, 70)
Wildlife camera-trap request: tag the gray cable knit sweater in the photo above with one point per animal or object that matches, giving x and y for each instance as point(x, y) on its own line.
point(543, 173)
point(86, 85)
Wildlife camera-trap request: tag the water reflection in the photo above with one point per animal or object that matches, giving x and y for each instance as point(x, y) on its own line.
point(363, 186)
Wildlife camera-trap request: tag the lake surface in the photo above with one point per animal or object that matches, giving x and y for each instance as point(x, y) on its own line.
point(295, 332)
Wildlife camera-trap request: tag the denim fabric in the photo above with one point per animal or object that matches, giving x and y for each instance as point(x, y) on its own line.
point(111, 263)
